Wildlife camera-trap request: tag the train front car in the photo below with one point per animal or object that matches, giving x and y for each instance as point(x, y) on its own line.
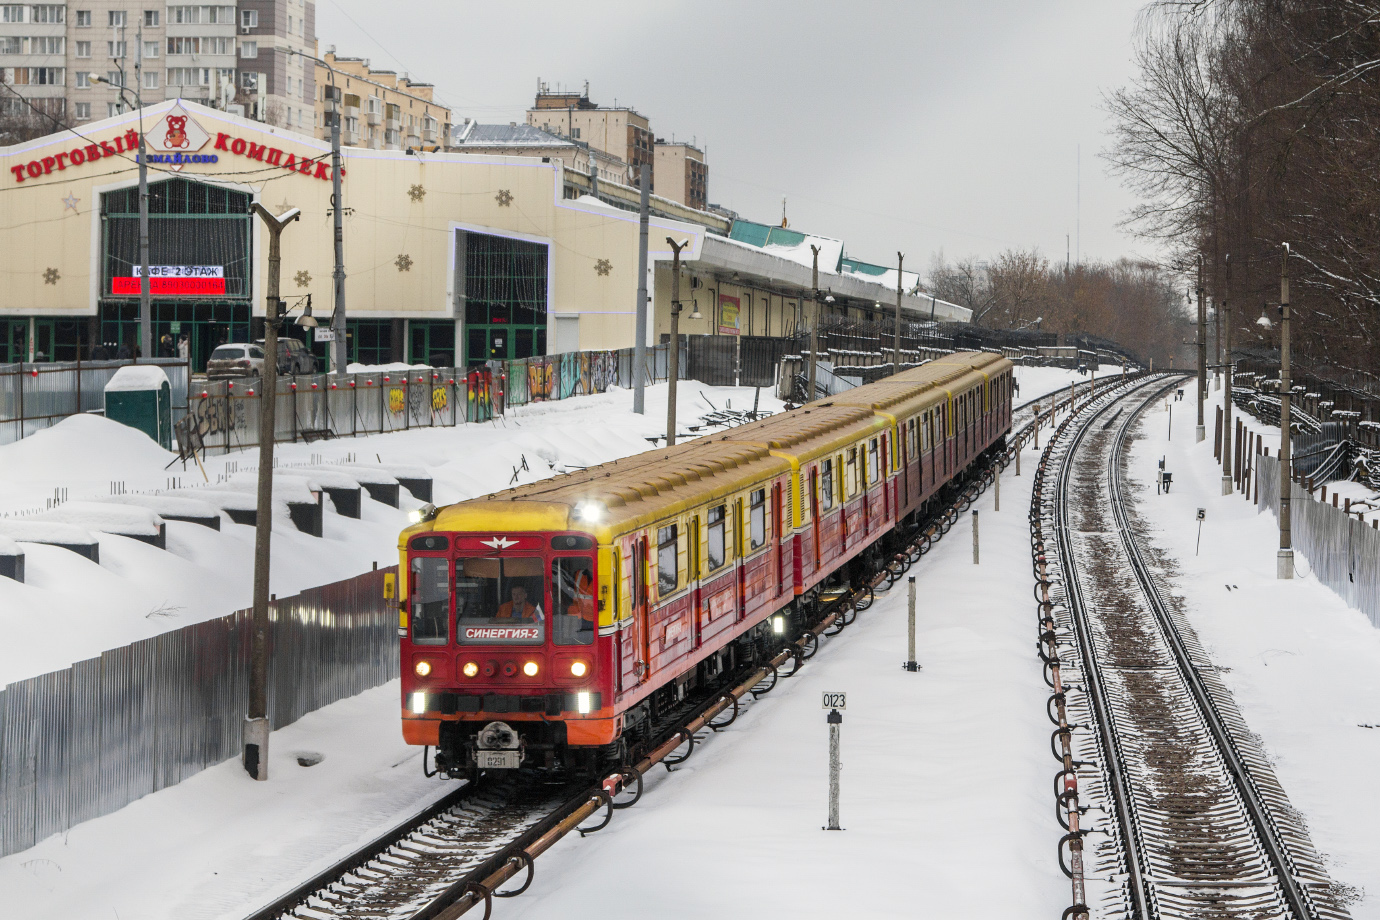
point(502, 663)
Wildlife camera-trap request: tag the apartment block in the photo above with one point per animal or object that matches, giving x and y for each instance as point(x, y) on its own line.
point(681, 174)
point(618, 131)
point(515, 140)
point(70, 60)
point(379, 108)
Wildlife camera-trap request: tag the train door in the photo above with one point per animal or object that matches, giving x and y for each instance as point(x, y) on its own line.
point(739, 564)
point(883, 460)
point(620, 635)
point(778, 536)
point(692, 575)
point(815, 512)
point(640, 627)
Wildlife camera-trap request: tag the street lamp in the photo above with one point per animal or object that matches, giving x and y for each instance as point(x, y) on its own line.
point(1284, 559)
point(145, 298)
point(337, 209)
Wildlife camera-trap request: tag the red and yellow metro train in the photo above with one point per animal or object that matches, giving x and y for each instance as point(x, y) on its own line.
point(550, 624)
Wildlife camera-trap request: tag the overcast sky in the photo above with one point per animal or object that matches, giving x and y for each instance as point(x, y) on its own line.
point(918, 125)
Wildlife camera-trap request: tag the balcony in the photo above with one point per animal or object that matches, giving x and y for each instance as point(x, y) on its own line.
point(376, 118)
point(394, 124)
point(429, 135)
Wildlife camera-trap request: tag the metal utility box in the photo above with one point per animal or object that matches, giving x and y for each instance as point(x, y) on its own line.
point(139, 396)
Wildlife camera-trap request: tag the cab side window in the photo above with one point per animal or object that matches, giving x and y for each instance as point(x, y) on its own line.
point(667, 561)
point(715, 534)
point(430, 601)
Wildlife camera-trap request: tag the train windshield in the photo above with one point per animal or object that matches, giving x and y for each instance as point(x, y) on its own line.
point(499, 601)
point(572, 601)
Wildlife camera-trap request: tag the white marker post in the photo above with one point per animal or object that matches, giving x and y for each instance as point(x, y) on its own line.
point(996, 488)
point(911, 664)
point(975, 537)
point(834, 702)
point(1202, 513)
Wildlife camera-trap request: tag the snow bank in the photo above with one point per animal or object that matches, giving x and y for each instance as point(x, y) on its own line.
point(325, 477)
point(79, 447)
point(287, 487)
point(224, 499)
point(104, 517)
point(29, 530)
point(360, 474)
point(9, 547)
point(169, 505)
point(137, 377)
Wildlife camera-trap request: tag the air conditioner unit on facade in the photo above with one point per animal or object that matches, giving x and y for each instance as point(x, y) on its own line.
point(236, 108)
point(244, 30)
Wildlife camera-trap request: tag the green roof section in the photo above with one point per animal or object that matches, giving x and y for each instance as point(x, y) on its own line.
point(863, 268)
point(763, 235)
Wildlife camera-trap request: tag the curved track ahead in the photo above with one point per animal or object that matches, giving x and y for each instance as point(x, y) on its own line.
point(1197, 825)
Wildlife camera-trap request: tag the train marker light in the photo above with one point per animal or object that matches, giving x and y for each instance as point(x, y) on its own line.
point(578, 668)
point(423, 668)
point(419, 703)
point(530, 669)
point(778, 624)
point(590, 511)
point(470, 669)
point(425, 513)
point(582, 702)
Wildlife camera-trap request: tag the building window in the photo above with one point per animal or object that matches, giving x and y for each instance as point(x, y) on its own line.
point(11, 13)
point(83, 51)
point(115, 19)
point(505, 298)
point(249, 19)
point(249, 49)
point(83, 79)
point(39, 44)
point(151, 49)
point(50, 13)
point(115, 78)
point(115, 50)
point(83, 19)
point(152, 18)
point(575, 133)
point(83, 111)
point(667, 561)
point(150, 79)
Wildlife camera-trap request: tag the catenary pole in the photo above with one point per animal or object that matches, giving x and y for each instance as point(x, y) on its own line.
point(644, 177)
point(256, 725)
point(814, 325)
point(1202, 350)
point(673, 355)
point(1285, 557)
point(1226, 372)
point(896, 358)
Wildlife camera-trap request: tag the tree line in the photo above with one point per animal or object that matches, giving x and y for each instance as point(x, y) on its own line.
point(1133, 303)
point(1254, 123)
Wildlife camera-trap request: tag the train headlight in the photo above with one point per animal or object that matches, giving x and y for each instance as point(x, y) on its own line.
point(530, 669)
point(418, 703)
point(423, 668)
point(590, 511)
point(582, 702)
point(470, 669)
point(578, 668)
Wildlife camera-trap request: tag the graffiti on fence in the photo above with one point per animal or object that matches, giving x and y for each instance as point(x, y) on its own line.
point(397, 400)
point(605, 371)
point(570, 375)
point(539, 380)
point(440, 399)
point(215, 415)
point(480, 397)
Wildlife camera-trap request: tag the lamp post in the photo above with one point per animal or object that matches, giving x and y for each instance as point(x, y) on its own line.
point(145, 291)
point(673, 354)
point(644, 177)
point(1226, 372)
point(256, 726)
point(1284, 559)
point(337, 208)
point(896, 358)
point(1202, 351)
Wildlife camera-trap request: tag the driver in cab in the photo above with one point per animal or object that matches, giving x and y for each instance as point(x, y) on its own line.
point(519, 607)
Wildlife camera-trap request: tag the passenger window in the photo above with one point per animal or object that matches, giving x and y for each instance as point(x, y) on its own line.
point(826, 486)
point(873, 473)
point(430, 606)
point(667, 561)
point(850, 473)
point(758, 519)
point(715, 532)
point(572, 601)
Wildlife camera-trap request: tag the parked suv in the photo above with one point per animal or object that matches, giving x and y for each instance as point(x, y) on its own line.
point(293, 357)
point(238, 359)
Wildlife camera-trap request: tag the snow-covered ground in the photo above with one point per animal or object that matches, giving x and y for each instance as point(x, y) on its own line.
point(946, 796)
point(1304, 667)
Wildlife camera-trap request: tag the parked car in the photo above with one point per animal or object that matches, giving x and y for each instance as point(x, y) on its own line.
point(236, 359)
point(293, 357)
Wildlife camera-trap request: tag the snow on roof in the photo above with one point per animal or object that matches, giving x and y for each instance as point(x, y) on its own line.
point(137, 377)
point(28, 530)
point(398, 470)
point(380, 368)
point(169, 505)
point(225, 499)
point(369, 474)
point(104, 517)
point(287, 487)
point(325, 476)
point(597, 202)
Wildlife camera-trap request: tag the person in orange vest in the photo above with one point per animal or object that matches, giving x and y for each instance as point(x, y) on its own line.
point(519, 607)
point(583, 605)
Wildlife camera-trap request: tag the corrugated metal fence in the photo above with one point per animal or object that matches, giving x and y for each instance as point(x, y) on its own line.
point(1344, 552)
point(36, 396)
point(87, 740)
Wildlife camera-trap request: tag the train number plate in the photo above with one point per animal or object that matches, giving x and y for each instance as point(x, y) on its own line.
point(499, 760)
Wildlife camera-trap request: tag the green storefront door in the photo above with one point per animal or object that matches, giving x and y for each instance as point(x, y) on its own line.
point(14, 340)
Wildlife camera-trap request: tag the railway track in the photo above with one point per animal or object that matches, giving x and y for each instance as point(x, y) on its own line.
point(458, 853)
point(1196, 824)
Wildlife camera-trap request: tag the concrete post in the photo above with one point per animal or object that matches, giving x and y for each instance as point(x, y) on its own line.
point(911, 664)
point(975, 537)
point(640, 324)
point(835, 721)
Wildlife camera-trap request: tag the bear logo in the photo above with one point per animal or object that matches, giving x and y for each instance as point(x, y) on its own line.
point(177, 132)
